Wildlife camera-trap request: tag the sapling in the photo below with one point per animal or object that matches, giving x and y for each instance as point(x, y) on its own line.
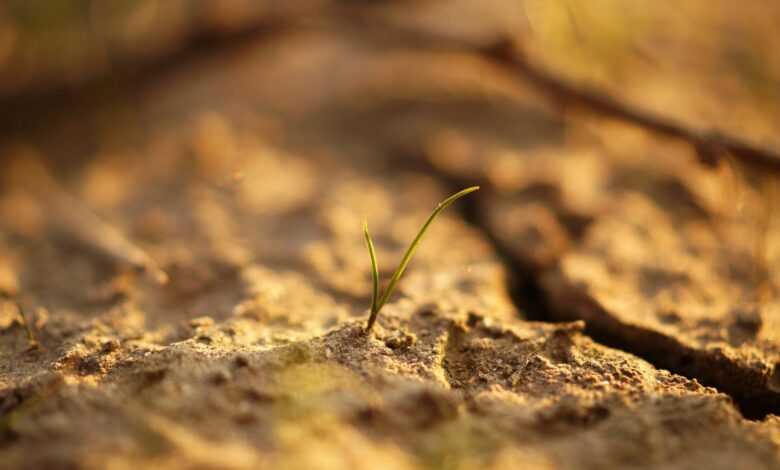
point(378, 299)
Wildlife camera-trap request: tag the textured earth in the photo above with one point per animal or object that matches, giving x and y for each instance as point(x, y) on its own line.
point(184, 282)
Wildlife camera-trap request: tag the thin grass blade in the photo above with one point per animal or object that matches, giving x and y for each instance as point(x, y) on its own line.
point(374, 276)
point(416, 242)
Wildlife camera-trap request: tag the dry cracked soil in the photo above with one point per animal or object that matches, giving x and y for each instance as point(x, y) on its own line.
point(186, 250)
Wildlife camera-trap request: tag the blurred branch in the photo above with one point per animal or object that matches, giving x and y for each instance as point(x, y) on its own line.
point(710, 145)
point(22, 110)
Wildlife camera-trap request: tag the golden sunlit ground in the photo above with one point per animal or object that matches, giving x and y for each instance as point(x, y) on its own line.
point(184, 281)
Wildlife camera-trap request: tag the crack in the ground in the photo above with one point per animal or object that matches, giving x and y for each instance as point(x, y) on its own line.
point(715, 369)
point(452, 355)
point(663, 352)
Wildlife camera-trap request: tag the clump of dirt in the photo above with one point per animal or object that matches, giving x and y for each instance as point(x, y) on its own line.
point(679, 293)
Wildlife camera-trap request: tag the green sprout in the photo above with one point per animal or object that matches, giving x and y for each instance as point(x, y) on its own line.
point(378, 300)
point(32, 343)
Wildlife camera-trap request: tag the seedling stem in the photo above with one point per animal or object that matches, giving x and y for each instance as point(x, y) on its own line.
point(378, 300)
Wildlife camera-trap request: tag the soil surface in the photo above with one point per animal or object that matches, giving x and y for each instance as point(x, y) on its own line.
point(184, 281)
